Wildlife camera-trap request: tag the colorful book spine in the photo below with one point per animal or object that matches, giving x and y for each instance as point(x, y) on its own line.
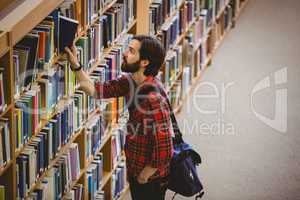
point(173, 65)
point(3, 89)
point(170, 31)
point(95, 176)
point(155, 16)
point(94, 134)
point(5, 151)
point(117, 145)
point(118, 180)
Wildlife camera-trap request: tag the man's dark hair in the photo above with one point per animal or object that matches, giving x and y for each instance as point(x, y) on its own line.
point(152, 50)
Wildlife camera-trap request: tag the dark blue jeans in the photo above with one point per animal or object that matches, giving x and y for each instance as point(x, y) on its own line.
point(152, 190)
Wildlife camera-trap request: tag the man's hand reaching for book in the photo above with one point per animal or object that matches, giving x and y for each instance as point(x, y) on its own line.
point(72, 56)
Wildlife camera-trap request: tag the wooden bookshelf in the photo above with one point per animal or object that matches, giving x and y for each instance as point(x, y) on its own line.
point(242, 7)
point(4, 43)
point(173, 13)
point(27, 14)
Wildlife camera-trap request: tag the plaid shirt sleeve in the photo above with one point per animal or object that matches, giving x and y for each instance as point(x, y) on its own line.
point(113, 88)
point(160, 133)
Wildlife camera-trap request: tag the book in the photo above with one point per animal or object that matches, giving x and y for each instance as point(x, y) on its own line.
point(94, 176)
point(2, 192)
point(186, 80)
point(31, 43)
point(117, 145)
point(21, 57)
point(67, 30)
point(16, 65)
point(76, 193)
point(2, 92)
point(95, 133)
point(5, 98)
point(5, 151)
point(75, 161)
point(118, 180)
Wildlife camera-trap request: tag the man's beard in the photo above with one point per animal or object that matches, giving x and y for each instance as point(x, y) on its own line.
point(130, 68)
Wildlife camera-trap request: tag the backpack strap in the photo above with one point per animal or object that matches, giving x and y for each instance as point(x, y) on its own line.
point(200, 195)
point(157, 88)
point(174, 195)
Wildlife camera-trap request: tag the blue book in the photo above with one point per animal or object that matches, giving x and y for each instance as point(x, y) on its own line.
point(67, 31)
point(21, 105)
point(22, 174)
point(90, 185)
point(43, 148)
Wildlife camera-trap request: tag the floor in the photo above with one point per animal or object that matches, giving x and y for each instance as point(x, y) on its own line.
point(247, 126)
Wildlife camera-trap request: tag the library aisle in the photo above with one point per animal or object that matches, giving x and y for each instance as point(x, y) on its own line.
point(243, 158)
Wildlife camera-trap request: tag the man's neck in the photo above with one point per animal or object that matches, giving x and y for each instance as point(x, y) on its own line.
point(139, 77)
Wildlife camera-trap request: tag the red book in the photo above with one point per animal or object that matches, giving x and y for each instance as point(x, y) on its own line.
point(42, 44)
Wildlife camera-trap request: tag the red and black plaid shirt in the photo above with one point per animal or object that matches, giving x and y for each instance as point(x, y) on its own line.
point(149, 137)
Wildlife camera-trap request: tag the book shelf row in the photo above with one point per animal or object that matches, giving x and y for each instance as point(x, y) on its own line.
point(52, 91)
point(193, 48)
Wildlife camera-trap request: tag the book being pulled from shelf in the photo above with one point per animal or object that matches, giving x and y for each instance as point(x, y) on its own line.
point(58, 180)
point(118, 180)
point(67, 30)
point(5, 154)
point(35, 52)
point(95, 176)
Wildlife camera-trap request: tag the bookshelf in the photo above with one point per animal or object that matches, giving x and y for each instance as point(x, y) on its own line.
point(189, 53)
